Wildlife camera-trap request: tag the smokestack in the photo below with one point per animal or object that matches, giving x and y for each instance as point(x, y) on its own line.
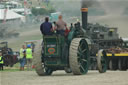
point(84, 13)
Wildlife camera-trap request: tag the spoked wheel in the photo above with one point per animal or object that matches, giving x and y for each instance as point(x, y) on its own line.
point(40, 68)
point(110, 65)
point(79, 56)
point(102, 61)
point(113, 65)
point(8, 60)
point(122, 64)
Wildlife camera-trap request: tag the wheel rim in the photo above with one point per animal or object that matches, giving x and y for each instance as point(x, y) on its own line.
point(83, 56)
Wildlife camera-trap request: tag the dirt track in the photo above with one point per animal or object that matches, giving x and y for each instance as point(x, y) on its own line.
point(61, 78)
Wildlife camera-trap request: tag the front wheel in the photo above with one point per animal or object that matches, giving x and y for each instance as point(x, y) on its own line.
point(102, 61)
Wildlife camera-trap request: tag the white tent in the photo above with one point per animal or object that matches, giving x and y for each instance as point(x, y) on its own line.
point(13, 2)
point(9, 15)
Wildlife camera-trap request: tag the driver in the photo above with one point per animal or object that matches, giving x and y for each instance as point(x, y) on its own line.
point(61, 25)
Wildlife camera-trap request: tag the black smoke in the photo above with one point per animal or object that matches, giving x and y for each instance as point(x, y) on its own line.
point(88, 3)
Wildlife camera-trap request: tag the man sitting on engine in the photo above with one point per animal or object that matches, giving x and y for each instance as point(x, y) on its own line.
point(61, 25)
point(46, 27)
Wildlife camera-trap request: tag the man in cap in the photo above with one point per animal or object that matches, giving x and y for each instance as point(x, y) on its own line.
point(29, 57)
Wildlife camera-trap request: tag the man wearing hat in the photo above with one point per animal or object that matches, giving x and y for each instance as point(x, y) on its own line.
point(29, 56)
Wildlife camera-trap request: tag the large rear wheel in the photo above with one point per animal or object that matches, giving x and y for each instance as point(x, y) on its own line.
point(79, 56)
point(40, 68)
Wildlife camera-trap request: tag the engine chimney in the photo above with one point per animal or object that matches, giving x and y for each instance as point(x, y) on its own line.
point(84, 12)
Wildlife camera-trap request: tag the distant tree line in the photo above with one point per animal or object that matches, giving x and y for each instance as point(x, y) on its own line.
point(41, 11)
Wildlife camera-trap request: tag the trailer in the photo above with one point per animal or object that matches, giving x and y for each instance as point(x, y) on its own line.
point(118, 58)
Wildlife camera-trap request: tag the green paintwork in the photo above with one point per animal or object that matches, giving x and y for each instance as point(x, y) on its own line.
point(51, 42)
point(55, 59)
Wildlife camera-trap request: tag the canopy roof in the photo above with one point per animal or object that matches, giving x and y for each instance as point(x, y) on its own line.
point(9, 15)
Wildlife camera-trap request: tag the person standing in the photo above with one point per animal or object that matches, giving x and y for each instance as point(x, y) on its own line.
point(22, 57)
point(61, 25)
point(29, 56)
point(1, 61)
point(46, 27)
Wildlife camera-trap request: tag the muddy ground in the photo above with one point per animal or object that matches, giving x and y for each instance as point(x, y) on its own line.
point(61, 78)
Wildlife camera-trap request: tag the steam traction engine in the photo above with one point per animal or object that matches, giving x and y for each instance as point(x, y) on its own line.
point(71, 54)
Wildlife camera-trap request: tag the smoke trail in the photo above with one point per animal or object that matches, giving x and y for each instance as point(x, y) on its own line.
point(111, 7)
point(114, 7)
point(87, 3)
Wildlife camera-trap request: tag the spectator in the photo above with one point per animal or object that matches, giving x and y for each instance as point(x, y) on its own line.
point(29, 56)
point(61, 25)
point(46, 27)
point(22, 57)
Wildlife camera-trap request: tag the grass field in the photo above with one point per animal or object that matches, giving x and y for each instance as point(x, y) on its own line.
point(26, 34)
point(16, 67)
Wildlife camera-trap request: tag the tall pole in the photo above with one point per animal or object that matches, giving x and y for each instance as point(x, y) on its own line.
point(25, 8)
point(5, 15)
